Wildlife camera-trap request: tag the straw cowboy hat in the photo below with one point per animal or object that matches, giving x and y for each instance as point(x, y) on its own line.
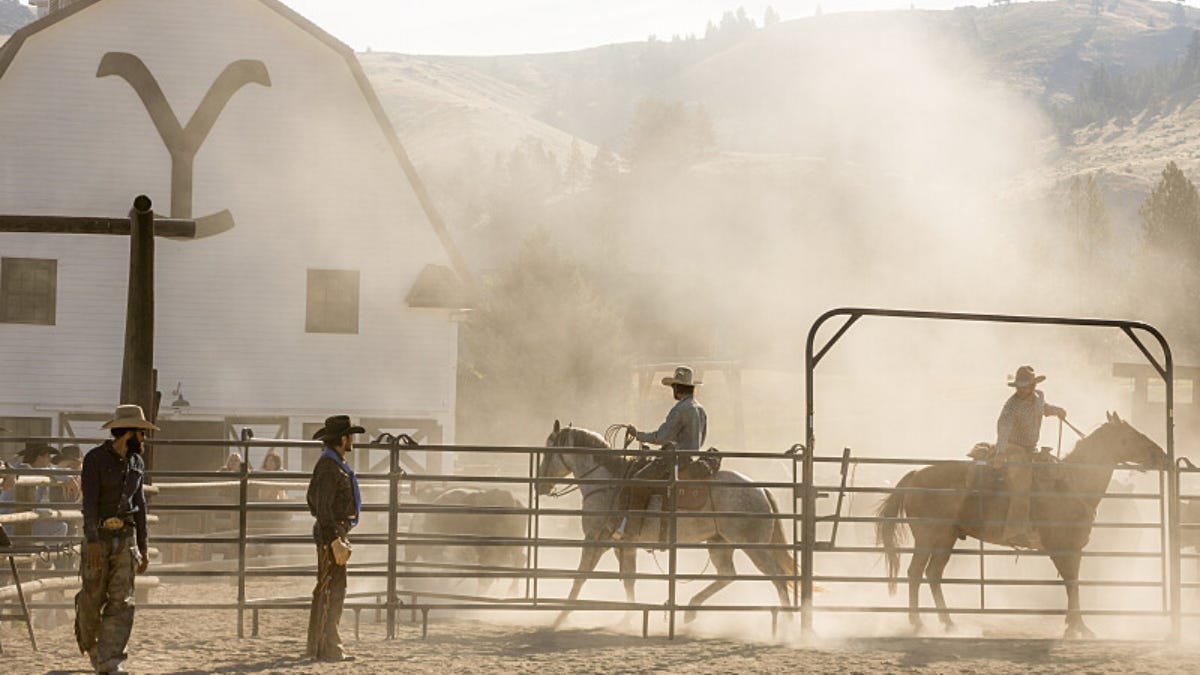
point(683, 375)
point(1025, 377)
point(336, 427)
point(129, 416)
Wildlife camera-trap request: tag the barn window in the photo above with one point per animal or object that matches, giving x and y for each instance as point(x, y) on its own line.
point(28, 288)
point(332, 302)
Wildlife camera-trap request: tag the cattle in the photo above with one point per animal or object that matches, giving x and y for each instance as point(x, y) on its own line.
point(468, 525)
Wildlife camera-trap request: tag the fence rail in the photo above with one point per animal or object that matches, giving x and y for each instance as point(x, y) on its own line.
point(257, 535)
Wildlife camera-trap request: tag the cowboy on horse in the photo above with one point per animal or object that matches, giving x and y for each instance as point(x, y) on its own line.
point(685, 428)
point(1017, 431)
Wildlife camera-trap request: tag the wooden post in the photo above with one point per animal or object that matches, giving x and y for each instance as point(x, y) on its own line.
point(137, 371)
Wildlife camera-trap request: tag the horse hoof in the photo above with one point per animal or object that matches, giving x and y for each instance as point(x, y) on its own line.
point(949, 627)
point(1079, 631)
point(689, 616)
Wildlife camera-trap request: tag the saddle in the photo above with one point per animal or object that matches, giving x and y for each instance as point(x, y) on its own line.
point(687, 497)
point(986, 479)
point(987, 471)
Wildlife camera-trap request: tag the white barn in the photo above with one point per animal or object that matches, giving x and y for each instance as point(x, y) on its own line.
point(336, 289)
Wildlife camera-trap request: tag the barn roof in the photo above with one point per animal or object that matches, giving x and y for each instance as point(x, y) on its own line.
point(9, 49)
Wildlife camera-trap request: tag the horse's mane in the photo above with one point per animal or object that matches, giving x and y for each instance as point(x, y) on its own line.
point(586, 438)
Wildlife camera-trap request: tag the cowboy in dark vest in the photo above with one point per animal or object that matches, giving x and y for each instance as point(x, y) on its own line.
point(1017, 431)
point(334, 500)
point(685, 428)
point(114, 531)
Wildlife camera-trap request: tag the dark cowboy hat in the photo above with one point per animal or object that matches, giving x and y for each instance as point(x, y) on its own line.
point(32, 451)
point(336, 427)
point(1025, 377)
point(69, 453)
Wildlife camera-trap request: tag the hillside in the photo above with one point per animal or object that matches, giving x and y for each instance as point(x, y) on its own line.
point(840, 88)
point(13, 15)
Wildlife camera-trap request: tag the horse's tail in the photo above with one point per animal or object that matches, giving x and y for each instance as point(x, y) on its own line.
point(785, 560)
point(888, 532)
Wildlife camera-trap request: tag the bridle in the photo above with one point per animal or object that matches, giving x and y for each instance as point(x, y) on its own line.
point(555, 492)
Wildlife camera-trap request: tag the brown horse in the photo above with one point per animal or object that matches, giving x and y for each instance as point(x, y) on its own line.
point(1063, 521)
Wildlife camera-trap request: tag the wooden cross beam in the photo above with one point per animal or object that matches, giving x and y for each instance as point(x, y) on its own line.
point(137, 372)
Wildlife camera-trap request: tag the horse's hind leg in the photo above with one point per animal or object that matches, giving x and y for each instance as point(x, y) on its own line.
point(916, 568)
point(767, 562)
point(723, 560)
point(627, 564)
point(588, 557)
point(933, 573)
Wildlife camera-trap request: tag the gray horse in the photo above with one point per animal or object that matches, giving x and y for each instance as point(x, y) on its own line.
point(776, 562)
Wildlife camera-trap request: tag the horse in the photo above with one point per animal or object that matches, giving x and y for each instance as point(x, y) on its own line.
point(603, 496)
point(1063, 521)
point(478, 524)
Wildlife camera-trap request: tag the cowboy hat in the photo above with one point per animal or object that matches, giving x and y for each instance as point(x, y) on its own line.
point(683, 375)
point(69, 453)
point(1025, 377)
point(129, 416)
point(336, 427)
point(32, 451)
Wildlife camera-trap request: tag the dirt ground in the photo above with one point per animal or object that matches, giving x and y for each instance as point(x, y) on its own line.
point(174, 641)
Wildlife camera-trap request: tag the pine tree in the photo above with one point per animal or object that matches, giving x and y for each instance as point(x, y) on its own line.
point(1189, 70)
point(669, 133)
point(770, 17)
point(1088, 217)
point(605, 168)
point(575, 173)
point(1171, 215)
point(522, 360)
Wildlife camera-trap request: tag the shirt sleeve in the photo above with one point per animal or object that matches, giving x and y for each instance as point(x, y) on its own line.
point(1004, 425)
point(324, 490)
point(666, 433)
point(139, 515)
point(90, 486)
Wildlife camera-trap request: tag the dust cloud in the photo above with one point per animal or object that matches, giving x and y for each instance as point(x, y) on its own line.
point(846, 160)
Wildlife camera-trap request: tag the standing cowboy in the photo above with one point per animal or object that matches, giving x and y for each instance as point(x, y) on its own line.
point(114, 530)
point(1017, 433)
point(334, 500)
point(685, 428)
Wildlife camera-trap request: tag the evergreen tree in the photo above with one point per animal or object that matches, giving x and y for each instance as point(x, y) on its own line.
point(669, 133)
point(522, 361)
point(1189, 70)
point(1088, 217)
point(1171, 216)
point(770, 17)
point(605, 168)
point(575, 173)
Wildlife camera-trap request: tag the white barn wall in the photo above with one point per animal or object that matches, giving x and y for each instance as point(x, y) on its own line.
point(305, 169)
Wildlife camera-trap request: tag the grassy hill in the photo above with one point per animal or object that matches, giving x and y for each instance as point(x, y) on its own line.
point(786, 88)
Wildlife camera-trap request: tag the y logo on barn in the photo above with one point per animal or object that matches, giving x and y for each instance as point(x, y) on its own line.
point(184, 142)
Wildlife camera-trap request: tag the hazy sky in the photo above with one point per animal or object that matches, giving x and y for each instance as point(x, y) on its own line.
point(521, 26)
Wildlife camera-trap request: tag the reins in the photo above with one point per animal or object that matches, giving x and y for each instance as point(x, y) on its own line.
point(574, 486)
point(1061, 422)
